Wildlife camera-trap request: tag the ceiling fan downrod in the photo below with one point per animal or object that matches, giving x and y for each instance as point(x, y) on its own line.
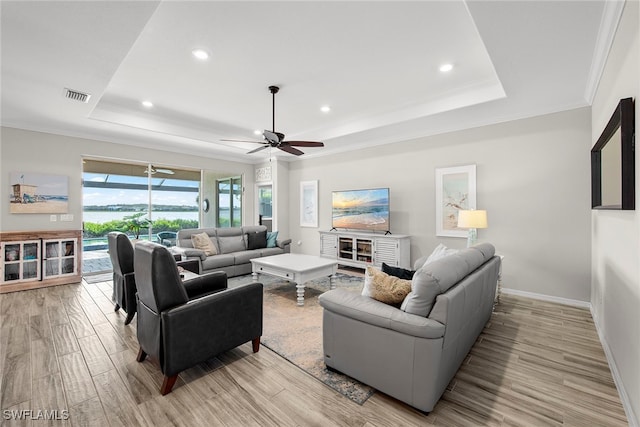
point(273, 90)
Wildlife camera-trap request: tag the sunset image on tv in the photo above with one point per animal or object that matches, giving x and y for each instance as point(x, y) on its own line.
point(361, 209)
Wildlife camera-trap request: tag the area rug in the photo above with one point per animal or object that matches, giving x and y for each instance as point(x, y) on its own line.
point(295, 333)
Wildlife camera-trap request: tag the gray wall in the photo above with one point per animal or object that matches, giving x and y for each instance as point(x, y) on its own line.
point(615, 295)
point(532, 177)
point(46, 153)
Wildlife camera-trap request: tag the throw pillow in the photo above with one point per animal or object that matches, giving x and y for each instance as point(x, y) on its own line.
point(440, 251)
point(203, 242)
point(257, 240)
point(387, 289)
point(272, 236)
point(398, 272)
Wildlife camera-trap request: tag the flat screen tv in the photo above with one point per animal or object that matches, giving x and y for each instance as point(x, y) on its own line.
point(361, 209)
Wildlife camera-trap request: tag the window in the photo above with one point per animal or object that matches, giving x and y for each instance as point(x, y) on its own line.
point(265, 205)
point(229, 202)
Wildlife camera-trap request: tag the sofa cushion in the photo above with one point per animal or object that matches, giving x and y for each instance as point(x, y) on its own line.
point(387, 289)
point(438, 276)
point(271, 251)
point(398, 272)
point(272, 237)
point(370, 311)
point(257, 240)
point(244, 257)
point(218, 261)
point(231, 244)
point(203, 242)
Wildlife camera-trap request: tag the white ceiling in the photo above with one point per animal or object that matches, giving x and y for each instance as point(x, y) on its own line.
point(375, 63)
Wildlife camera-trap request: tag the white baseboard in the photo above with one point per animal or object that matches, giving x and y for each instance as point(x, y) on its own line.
point(550, 298)
point(632, 419)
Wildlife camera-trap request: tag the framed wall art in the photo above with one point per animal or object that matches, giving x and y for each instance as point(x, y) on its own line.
point(38, 193)
point(309, 203)
point(455, 190)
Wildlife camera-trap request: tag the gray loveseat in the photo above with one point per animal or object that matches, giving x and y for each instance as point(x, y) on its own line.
point(231, 244)
point(413, 352)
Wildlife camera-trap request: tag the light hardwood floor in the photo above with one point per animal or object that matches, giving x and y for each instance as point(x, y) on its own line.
point(63, 348)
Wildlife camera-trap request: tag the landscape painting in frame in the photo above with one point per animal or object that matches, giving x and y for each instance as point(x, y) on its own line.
point(455, 190)
point(309, 203)
point(38, 193)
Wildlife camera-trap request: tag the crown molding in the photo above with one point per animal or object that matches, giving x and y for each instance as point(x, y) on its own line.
point(608, 26)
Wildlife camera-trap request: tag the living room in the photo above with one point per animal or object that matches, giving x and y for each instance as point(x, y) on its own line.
point(533, 178)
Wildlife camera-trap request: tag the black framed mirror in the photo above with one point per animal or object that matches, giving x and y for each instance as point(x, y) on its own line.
point(613, 161)
point(205, 205)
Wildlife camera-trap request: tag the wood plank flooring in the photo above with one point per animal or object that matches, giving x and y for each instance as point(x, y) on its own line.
point(64, 348)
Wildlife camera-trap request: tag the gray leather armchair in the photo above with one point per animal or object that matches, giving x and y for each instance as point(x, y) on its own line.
point(124, 283)
point(181, 324)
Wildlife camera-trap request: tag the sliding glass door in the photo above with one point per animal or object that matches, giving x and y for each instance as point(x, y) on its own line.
point(145, 201)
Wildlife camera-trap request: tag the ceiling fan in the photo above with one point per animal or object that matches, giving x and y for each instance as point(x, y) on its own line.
point(154, 171)
point(276, 139)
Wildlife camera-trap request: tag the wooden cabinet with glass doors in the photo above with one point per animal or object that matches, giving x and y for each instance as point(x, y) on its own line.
point(39, 258)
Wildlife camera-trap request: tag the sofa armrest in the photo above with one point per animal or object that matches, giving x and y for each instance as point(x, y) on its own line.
point(283, 243)
point(193, 253)
point(367, 310)
point(205, 284)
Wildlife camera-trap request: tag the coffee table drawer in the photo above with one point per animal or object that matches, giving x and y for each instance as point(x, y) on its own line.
point(274, 271)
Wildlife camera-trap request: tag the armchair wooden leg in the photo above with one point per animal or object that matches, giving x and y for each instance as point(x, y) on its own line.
point(167, 384)
point(141, 355)
point(129, 318)
point(256, 344)
point(117, 307)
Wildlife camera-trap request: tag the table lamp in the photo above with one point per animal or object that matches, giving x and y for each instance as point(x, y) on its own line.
point(472, 220)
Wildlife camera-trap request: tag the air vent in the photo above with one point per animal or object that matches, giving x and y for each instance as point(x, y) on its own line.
point(76, 96)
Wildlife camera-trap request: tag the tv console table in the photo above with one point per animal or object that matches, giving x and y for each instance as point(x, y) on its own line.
point(360, 249)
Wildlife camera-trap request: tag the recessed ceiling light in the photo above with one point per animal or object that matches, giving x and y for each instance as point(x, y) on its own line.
point(325, 108)
point(200, 54)
point(257, 132)
point(147, 104)
point(445, 68)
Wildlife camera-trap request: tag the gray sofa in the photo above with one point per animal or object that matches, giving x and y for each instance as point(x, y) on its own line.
point(413, 352)
point(231, 244)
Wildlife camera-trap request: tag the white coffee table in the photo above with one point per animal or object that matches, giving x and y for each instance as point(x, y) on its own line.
point(297, 268)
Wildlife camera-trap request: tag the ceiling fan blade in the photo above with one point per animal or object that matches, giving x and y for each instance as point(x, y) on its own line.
point(259, 149)
point(290, 149)
point(242, 140)
point(305, 143)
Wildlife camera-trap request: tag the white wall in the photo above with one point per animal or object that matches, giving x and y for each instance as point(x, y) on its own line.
point(46, 153)
point(615, 295)
point(533, 178)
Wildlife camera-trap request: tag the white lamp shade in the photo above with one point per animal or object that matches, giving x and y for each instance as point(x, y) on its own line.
point(472, 219)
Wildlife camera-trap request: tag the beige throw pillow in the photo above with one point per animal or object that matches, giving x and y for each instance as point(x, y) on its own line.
point(203, 242)
point(387, 289)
